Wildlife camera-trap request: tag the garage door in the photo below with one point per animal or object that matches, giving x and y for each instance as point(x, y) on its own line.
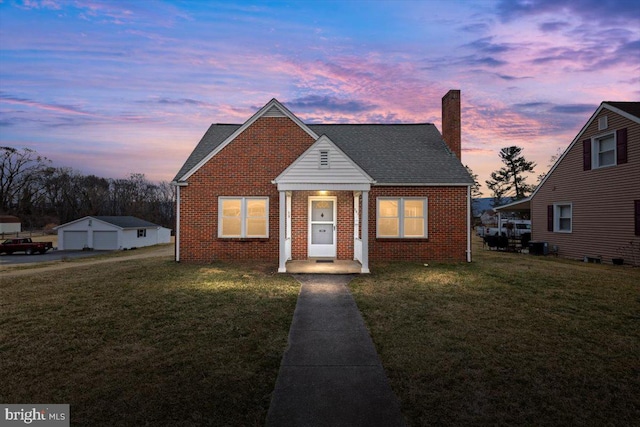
point(74, 240)
point(105, 240)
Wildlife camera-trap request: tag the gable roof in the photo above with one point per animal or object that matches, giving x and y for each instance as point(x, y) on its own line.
point(630, 110)
point(273, 109)
point(126, 221)
point(398, 154)
point(119, 221)
point(306, 167)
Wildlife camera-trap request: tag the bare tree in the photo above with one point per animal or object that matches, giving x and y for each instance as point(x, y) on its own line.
point(20, 172)
point(39, 193)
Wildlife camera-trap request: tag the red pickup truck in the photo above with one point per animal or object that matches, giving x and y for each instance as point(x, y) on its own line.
point(24, 245)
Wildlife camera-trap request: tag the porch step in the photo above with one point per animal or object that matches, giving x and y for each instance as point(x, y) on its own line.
point(320, 266)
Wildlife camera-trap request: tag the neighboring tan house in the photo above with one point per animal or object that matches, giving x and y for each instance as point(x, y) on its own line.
point(275, 188)
point(10, 224)
point(109, 233)
point(588, 205)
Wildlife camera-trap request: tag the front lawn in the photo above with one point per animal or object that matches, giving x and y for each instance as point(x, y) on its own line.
point(508, 340)
point(146, 342)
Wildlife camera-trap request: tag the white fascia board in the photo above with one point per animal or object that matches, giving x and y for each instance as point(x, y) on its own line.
point(234, 135)
point(72, 222)
point(323, 138)
point(179, 183)
point(88, 217)
point(512, 204)
point(622, 113)
point(311, 186)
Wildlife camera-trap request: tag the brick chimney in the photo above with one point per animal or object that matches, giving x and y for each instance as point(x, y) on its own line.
point(451, 130)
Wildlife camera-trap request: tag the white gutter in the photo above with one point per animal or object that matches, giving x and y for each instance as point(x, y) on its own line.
point(177, 223)
point(469, 224)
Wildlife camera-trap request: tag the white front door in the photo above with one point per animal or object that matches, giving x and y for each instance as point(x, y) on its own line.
point(322, 227)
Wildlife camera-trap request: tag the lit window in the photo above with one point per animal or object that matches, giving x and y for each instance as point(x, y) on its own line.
point(243, 217)
point(402, 218)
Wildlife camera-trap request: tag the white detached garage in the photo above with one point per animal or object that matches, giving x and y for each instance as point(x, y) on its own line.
point(110, 233)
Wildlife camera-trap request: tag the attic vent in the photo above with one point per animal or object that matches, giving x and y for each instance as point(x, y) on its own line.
point(324, 159)
point(602, 123)
point(273, 112)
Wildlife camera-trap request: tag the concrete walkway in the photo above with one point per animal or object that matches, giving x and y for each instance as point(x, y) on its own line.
point(330, 374)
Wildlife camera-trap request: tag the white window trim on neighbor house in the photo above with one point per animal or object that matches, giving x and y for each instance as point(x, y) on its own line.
point(243, 218)
point(595, 150)
point(401, 218)
point(142, 232)
point(557, 224)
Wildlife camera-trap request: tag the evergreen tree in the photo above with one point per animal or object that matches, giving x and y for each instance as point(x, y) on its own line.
point(510, 180)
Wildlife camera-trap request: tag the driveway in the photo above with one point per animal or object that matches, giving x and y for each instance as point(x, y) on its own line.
point(158, 251)
point(22, 258)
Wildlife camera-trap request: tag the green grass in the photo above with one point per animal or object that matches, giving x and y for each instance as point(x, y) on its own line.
point(150, 342)
point(508, 340)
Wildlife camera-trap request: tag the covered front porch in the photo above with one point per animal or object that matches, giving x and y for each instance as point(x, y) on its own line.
point(323, 209)
point(324, 231)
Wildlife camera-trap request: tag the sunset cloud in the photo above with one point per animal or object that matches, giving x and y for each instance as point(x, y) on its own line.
point(116, 87)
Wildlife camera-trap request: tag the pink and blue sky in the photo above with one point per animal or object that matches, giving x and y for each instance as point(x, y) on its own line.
point(118, 87)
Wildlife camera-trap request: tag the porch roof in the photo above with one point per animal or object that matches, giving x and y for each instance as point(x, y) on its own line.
point(323, 166)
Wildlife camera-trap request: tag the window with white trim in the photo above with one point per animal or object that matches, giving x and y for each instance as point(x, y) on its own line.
point(604, 151)
point(243, 217)
point(142, 232)
point(404, 217)
point(563, 214)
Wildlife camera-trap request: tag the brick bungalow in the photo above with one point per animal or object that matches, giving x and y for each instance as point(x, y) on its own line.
point(277, 189)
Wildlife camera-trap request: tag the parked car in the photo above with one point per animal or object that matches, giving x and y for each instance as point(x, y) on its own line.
point(514, 228)
point(25, 245)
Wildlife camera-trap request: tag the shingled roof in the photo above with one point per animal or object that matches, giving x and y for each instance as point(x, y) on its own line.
point(632, 108)
point(389, 153)
point(126, 221)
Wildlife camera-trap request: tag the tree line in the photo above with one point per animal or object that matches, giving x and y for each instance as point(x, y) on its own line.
point(40, 194)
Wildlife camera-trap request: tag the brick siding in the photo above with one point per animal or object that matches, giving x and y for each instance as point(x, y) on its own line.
point(247, 166)
point(446, 232)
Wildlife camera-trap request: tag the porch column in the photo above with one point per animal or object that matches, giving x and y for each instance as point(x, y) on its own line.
point(364, 225)
point(282, 267)
point(287, 242)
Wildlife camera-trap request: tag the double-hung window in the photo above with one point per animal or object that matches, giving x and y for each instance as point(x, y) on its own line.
point(604, 151)
point(563, 218)
point(404, 217)
point(243, 217)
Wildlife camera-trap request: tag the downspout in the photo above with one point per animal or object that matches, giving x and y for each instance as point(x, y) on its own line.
point(177, 223)
point(469, 223)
